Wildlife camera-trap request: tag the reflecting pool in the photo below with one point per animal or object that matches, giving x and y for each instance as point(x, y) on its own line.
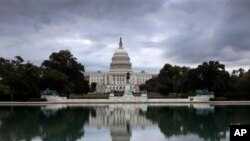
point(127, 122)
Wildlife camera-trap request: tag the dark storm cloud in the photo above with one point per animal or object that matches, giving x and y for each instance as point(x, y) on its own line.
point(213, 30)
point(55, 11)
point(181, 32)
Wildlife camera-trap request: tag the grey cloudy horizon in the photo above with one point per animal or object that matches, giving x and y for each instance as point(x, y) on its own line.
point(154, 32)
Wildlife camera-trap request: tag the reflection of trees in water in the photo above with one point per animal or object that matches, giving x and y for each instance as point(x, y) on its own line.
point(212, 126)
point(25, 123)
point(29, 122)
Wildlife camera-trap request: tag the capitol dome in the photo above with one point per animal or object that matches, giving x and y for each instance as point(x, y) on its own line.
point(120, 60)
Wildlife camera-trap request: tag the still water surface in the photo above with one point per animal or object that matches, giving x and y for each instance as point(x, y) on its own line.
point(120, 122)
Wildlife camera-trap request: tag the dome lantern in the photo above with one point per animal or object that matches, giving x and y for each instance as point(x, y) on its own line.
point(120, 43)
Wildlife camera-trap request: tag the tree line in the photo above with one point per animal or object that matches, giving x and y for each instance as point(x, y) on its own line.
point(211, 76)
point(21, 80)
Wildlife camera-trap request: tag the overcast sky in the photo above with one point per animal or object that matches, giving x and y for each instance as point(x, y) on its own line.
point(154, 32)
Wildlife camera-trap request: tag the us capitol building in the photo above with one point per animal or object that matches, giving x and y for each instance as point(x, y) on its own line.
point(115, 79)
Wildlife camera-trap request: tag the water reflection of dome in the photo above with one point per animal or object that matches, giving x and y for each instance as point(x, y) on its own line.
point(120, 133)
point(120, 119)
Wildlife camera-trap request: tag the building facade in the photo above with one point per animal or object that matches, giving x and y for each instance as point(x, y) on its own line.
point(115, 78)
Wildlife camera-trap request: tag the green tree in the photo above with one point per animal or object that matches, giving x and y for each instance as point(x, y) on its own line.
point(211, 76)
point(4, 89)
point(23, 79)
point(150, 85)
point(64, 62)
point(172, 79)
point(54, 80)
point(93, 86)
point(242, 86)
